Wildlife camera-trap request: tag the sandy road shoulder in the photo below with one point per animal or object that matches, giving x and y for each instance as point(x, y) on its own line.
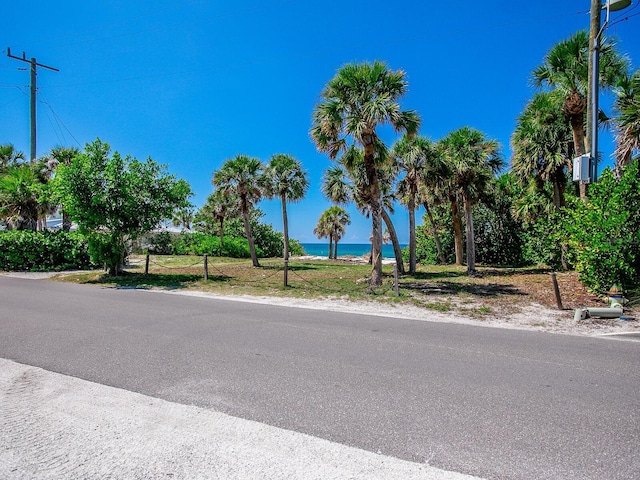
point(56, 426)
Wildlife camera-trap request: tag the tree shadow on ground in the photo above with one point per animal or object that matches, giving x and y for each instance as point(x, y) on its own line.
point(452, 288)
point(141, 281)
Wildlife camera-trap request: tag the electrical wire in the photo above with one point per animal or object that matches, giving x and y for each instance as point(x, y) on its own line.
point(58, 119)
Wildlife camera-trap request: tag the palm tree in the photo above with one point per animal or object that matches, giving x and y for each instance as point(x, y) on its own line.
point(358, 100)
point(323, 230)
point(473, 161)
point(565, 69)
point(541, 144)
point(416, 158)
point(627, 120)
point(219, 207)
point(9, 156)
point(347, 183)
point(20, 189)
point(332, 223)
point(240, 175)
point(285, 178)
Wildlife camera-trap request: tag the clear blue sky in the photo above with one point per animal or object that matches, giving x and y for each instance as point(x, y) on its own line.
point(193, 83)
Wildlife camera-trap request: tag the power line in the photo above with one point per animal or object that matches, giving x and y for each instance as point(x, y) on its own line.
point(34, 65)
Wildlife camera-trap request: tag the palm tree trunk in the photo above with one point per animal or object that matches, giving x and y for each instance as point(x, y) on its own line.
point(376, 207)
point(66, 222)
point(397, 251)
point(221, 235)
point(471, 244)
point(285, 227)
point(335, 250)
point(457, 229)
point(247, 229)
point(330, 245)
point(434, 232)
point(412, 231)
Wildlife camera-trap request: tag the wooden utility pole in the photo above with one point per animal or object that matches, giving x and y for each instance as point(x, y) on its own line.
point(32, 62)
point(594, 32)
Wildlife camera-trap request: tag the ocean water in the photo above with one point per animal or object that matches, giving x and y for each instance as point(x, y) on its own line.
point(355, 249)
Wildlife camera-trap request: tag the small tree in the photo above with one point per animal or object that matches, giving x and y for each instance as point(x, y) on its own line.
point(115, 200)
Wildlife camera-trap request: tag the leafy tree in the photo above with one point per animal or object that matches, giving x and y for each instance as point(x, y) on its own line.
point(63, 156)
point(604, 233)
point(499, 236)
point(115, 200)
point(627, 120)
point(240, 176)
point(473, 160)
point(284, 177)
point(353, 105)
point(565, 68)
point(183, 216)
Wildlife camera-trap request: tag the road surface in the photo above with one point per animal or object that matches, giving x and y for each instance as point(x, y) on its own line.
point(493, 403)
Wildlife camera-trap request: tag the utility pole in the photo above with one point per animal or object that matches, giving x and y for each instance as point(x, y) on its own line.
point(34, 65)
point(592, 85)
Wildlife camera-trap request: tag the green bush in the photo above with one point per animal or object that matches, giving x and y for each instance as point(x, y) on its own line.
point(43, 251)
point(604, 232)
point(426, 251)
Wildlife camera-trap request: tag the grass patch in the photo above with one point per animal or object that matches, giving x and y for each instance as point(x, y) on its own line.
point(444, 288)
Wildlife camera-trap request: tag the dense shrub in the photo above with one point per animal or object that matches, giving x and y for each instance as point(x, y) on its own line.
point(499, 238)
point(426, 251)
point(604, 232)
point(43, 251)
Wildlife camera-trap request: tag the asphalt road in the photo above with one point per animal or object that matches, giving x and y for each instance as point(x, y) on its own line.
point(494, 403)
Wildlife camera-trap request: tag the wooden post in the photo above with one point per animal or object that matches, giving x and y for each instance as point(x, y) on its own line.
point(556, 290)
point(206, 267)
point(286, 272)
point(146, 265)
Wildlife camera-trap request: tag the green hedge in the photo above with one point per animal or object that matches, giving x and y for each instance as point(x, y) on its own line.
point(43, 251)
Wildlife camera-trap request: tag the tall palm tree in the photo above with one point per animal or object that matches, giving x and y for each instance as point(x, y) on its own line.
point(353, 105)
point(415, 157)
point(240, 175)
point(346, 183)
point(285, 178)
point(565, 68)
point(473, 161)
point(627, 120)
point(541, 144)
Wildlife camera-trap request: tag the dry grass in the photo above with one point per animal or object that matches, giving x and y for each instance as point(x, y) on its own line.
point(493, 292)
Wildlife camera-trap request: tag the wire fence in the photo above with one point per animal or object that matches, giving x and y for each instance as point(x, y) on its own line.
point(245, 273)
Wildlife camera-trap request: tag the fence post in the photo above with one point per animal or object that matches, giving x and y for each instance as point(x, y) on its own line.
point(556, 290)
point(206, 267)
point(286, 272)
point(146, 265)
point(395, 279)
